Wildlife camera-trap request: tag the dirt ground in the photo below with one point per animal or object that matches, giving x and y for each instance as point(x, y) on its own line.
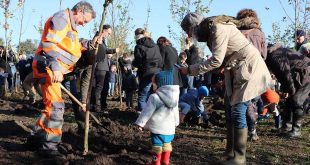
point(127, 145)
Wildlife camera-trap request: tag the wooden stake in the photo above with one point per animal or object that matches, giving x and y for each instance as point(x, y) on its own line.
point(105, 5)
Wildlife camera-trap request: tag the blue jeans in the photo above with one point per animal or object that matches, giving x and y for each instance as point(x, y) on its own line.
point(111, 88)
point(145, 85)
point(237, 114)
point(190, 82)
point(183, 90)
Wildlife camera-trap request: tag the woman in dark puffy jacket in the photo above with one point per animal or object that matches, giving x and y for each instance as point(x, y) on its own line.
point(170, 58)
point(148, 60)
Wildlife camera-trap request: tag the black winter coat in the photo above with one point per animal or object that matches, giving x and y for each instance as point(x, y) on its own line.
point(147, 59)
point(3, 64)
point(291, 68)
point(170, 58)
point(129, 82)
point(102, 58)
point(124, 63)
point(192, 55)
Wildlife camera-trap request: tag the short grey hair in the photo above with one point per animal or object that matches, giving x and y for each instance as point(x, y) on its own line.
point(86, 7)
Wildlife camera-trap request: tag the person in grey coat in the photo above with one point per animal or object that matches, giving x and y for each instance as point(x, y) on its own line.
point(246, 74)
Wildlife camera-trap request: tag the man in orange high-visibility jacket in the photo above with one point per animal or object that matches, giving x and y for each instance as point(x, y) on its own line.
point(56, 55)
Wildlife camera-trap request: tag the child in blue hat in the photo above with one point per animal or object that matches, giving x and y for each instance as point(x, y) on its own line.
point(192, 101)
point(161, 116)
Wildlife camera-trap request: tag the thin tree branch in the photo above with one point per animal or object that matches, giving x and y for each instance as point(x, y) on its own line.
point(286, 12)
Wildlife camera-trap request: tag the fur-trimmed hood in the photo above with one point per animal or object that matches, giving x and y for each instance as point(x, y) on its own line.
point(273, 47)
point(249, 23)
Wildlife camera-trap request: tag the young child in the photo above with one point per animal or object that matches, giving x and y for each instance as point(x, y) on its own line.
point(130, 84)
point(271, 100)
point(192, 100)
point(112, 80)
point(161, 116)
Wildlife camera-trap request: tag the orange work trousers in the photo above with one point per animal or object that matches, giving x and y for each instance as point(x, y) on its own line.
point(51, 119)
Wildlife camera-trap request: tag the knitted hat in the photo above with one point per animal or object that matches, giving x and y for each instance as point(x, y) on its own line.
point(164, 78)
point(270, 96)
point(191, 20)
point(203, 90)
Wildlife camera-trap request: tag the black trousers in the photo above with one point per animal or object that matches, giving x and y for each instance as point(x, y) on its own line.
point(294, 104)
point(101, 87)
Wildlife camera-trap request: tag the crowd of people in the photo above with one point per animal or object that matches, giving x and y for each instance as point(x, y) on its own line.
point(244, 70)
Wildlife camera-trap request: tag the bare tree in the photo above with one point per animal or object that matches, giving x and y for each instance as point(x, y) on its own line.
point(60, 2)
point(178, 10)
point(5, 4)
point(21, 4)
point(148, 13)
point(39, 28)
point(121, 24)
point(299, 20)
point(120, 20)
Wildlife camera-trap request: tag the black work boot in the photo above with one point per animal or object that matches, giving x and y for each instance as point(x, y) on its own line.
point(50, 153)
point(297, 121)
point(286, 123)
point(296, 130)
point(286, 127)
point(33, 142)
point(50, 150)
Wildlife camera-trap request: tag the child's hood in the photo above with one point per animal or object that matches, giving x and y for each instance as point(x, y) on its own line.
point(169, 95)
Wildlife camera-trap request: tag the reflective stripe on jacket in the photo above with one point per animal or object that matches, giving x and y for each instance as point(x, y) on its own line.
point(60, 43)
